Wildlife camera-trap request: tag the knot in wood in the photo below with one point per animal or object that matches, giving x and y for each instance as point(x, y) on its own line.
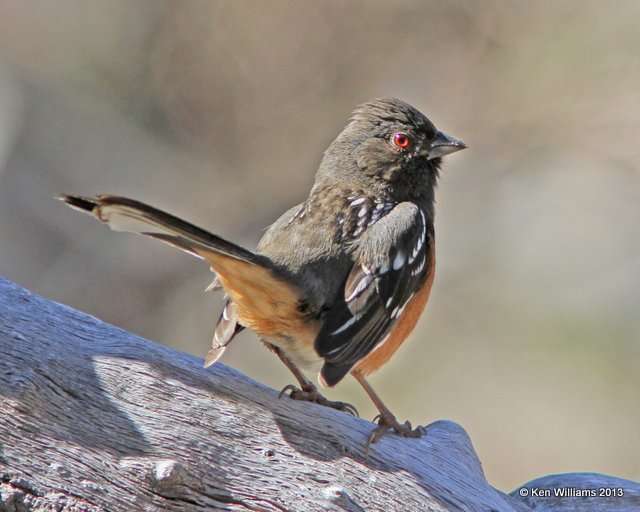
point(168, 474)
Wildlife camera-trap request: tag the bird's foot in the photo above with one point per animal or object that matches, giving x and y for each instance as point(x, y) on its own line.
point(387, 422)
point(309, 393)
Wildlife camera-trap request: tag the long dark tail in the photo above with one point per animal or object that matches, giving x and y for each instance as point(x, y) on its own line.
point(129, 215)
point(260, 297)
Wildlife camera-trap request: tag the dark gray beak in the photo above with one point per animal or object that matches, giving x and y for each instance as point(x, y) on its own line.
point(443, 145)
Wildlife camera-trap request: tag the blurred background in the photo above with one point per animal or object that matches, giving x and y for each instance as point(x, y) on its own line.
point(219, 112)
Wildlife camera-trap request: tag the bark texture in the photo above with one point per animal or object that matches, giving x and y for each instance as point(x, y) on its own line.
point(93, 418)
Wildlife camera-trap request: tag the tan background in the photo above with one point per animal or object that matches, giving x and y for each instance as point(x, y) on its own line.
point(219, 112)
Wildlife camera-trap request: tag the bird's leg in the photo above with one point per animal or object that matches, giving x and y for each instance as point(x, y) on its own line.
point(386, 420)
point(308, 391)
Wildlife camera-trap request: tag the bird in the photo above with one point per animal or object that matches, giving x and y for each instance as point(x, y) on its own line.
point(338, 282)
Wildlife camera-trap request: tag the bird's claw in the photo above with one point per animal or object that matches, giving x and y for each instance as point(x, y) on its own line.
point(311, 394)
point(388, 422)
point(288, 387)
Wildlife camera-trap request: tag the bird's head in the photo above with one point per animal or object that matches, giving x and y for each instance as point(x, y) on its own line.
point(388, 143)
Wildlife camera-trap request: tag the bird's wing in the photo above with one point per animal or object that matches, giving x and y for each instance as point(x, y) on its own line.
point(392, 263)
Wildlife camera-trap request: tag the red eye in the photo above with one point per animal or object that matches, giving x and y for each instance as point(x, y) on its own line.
point(401, 140)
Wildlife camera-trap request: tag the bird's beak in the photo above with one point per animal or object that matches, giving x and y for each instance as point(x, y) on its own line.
point(443, 145)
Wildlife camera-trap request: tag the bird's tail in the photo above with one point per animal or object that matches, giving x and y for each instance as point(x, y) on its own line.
point(123, 214)
point(261, 298)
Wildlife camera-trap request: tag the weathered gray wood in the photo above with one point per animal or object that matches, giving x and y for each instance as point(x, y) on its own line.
point(93, 418)
point(580, 492)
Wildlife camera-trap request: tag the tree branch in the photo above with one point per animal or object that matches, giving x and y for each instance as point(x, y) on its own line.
point(94, 418)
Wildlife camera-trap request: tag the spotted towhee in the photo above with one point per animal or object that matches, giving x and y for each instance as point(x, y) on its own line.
point(338, 282)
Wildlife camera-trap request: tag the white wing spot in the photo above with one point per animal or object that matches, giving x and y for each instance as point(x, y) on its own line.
point(416, 249)
point(345, 325)
point(424, 221)
point(401, 310)
point(358, 201)
point(419, 268)
point(399, 260)
point(362, 286)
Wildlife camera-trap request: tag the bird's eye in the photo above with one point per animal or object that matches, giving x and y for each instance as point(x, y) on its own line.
point(401, 140)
